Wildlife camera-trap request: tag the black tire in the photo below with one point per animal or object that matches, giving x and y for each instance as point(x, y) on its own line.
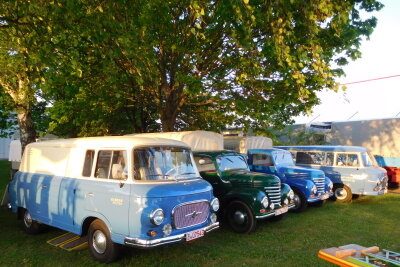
point(240, 217)
point(101, 246)
point(342, 193)
point(30, 226)
point(300, 201)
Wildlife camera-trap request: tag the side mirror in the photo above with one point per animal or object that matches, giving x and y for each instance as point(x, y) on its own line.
point(202, 162)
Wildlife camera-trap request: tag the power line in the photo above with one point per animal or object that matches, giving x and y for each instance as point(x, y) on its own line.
point(370, 80)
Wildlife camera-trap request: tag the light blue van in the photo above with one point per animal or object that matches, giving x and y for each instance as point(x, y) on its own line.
point(352, 169)
point(134, 191)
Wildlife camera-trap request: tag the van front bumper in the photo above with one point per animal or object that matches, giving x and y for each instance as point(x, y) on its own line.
point(146, 243)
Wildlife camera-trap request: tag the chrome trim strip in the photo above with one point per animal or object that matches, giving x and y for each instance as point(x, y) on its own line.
point(144, 243)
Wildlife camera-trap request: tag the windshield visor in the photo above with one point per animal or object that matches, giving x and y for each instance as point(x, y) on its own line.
point(233, 162)
point(369, 160)
point(163, 163)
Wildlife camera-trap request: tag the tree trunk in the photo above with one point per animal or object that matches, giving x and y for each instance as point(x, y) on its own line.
point(26, 126)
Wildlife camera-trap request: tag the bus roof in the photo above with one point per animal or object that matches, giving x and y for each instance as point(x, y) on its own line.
point(326, 148)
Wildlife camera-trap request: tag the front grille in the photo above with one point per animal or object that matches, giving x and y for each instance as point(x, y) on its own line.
point(274, 194)
point(189, 214)
point(320, 183)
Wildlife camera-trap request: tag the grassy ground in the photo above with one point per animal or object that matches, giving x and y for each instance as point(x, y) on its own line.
point(294, 241)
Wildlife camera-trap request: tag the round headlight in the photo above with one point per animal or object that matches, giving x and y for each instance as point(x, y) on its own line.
point(291, 194)
point(265, 202)
point(314, 190)
point(157, 216)
point(286, 202)
point(213, 218)
point(167, 229)
point(215, 204)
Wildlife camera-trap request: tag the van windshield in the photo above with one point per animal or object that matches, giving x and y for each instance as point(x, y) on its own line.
point(369, 160)
point(163, 163)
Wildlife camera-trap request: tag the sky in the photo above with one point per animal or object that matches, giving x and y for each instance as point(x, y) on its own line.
point(380, 58)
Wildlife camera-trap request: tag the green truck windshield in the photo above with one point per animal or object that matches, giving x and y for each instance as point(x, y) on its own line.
point(233, 162)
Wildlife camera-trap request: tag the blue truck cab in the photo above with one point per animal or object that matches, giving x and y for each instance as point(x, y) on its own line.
point(309, 185)
point(352, 169)
point(134, 191)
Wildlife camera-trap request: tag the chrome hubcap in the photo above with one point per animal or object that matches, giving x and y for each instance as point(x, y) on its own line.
point(99, 242)
point(340, 193)
point(27, 219)
point(239, 217)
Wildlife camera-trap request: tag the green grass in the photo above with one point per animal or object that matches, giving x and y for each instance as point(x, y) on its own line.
point(294, 241)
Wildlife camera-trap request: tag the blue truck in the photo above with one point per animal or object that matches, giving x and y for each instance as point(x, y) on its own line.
point(309, 186)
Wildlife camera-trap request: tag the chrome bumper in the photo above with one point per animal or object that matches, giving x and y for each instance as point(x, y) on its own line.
point(145, 243)
point(272, 213)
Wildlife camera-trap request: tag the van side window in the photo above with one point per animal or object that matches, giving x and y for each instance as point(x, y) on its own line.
point(87, 166)
point(262, 160)
point(314, 158)
point(329, 158)
point(112, 165)
point(348, 160)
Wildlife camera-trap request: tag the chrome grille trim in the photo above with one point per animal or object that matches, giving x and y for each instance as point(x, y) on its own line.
point(190, 213)
point(274, 194)
point(320, 183)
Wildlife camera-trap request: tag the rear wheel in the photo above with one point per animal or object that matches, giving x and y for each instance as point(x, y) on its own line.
point(240, 217)
point(300, 201)
point(342, 193)
point(101, 246)
point(30, 226)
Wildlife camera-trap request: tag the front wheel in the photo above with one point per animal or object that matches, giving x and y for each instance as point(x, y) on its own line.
point(101, 246)
point(300, 202)
point(342, 193)
point(30, 226)
point(240, 217)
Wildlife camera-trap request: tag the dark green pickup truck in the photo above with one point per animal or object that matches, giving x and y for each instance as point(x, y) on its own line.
point(245, 196)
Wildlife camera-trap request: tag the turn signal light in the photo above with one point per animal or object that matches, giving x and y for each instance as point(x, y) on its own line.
point(152, 233)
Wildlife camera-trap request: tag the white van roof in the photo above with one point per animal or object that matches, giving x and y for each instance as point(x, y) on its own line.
point(197, 140)
point(108, 142)
point(65, 157)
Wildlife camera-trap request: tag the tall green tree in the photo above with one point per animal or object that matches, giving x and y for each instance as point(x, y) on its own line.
point(250, 63)
point(20, 68)
point(119, 66)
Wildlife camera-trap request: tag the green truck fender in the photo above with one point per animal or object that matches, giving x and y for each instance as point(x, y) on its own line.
point(251, 196)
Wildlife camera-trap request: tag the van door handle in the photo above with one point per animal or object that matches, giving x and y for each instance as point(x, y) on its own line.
point(44, 186)
point(90, 195)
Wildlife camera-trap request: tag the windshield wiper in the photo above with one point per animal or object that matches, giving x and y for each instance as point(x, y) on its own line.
point(229, 160)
